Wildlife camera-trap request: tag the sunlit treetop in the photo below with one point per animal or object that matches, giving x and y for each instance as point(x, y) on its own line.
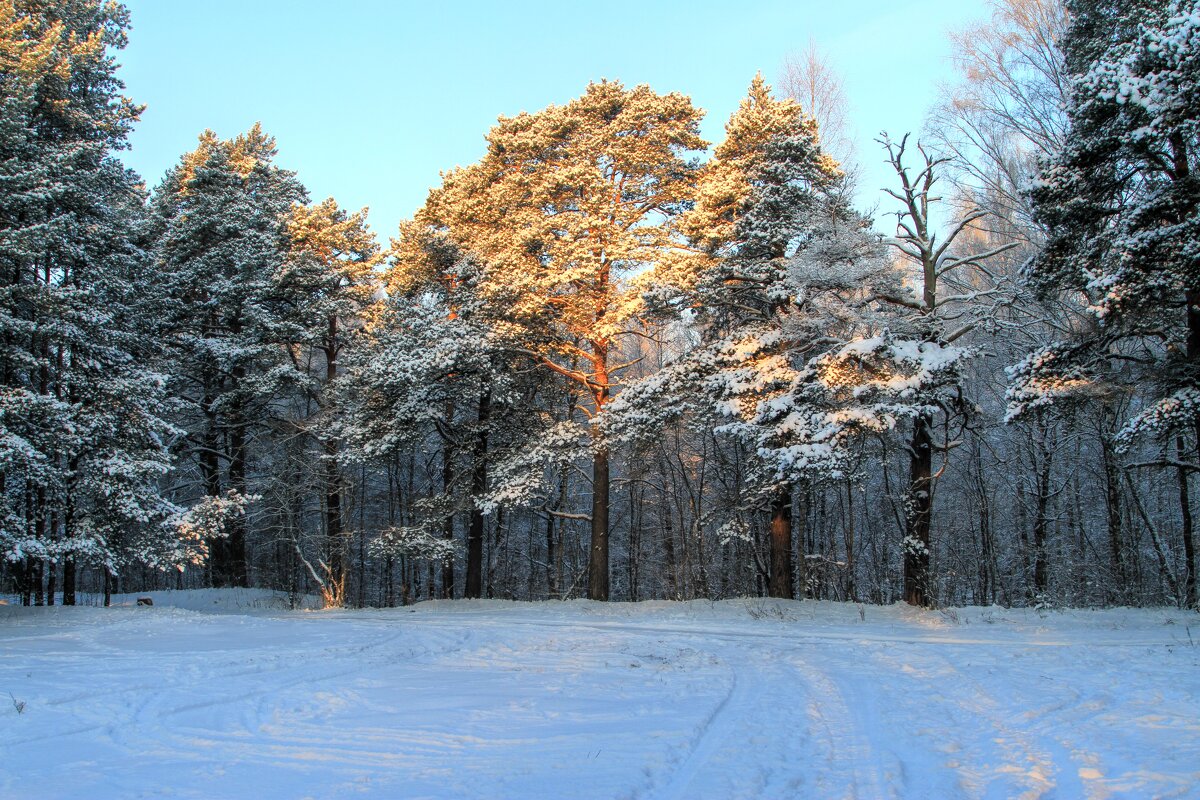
point(55, 61)
point(728, 181)
point(243, 152)
point(570, 202)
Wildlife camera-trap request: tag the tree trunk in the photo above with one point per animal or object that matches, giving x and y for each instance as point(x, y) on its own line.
point(1179, 151)
point(598, 560)
point(1041, 569)
point(25, 581)
point(669, 545)
point(335, 536)
point(68, 580)
point(920, 496)
point(37, 572)
point(598, 555)
point(1189, 544)
point(780, 579)
point(335, 592)
point(635, 536)
point(25, 570)
point(479, 475)
point(851, 590)
point(551, 583)
point(210, 472)
point(448, 523)
point(987, 550)
point(1112, 502)
point(51, 582)
point(238, 574)
point(801, 523)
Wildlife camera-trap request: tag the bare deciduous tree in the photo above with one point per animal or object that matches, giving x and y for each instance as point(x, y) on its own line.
point(1007, 108)
point(808, 78)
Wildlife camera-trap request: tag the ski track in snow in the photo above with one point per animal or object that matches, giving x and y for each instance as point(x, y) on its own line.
point(656, 701)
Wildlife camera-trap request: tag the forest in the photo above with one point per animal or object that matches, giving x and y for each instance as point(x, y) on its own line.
point(612, 360)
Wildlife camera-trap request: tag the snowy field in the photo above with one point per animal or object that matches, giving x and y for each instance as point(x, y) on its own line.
point(226, 695)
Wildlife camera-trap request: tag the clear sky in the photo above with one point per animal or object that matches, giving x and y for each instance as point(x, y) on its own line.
point(371, 99)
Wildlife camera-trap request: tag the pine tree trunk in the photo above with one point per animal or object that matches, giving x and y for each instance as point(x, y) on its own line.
point(238, 573)
point(598, 560)
point(987, 562)
point(551, 583)
point(38, 566)
point(1112, 502)
point(389, 582)
point(479, 476)
point(336, 590)
point(25, 581)
point(448, 523)
point(38, 574)
point(25, 569)
point(1179, 150)
point(210, 472)
point(635, 537)
point(1041, 569)
point(68, 582)
point(1041, 521)
point(669, 545)
point(1189, 544)
point(851, 591)
point(780, 580)
point(916, 540)
point(335, 536)
point(598, 554)
point(801, 523)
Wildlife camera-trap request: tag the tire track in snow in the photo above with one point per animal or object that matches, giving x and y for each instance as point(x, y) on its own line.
point(988, 754)
point(859, 754)
point(852, 753)
point(712, 730)
point(281, 672)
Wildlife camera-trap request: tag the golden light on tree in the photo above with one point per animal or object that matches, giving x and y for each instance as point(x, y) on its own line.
point(572, 214)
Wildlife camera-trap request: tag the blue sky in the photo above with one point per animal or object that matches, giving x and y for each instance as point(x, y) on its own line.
point(370, 100)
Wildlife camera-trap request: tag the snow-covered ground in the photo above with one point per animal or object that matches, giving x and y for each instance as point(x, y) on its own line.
point(229, 695)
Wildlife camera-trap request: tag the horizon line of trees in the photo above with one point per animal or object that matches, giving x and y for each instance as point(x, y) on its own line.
point(594, 364)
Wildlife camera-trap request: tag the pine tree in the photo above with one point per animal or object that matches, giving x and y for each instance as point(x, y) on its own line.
point(429, 270)
point(432, 347)
point(322, 298)
point(85, 441)
point(567, 207)
point(1121, 204)
point(777, 241)
point(220, 240)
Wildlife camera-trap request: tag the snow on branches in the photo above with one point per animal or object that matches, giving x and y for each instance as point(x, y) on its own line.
point(418, 542)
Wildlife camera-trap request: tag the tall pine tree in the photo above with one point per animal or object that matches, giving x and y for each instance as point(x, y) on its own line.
point(1121, 205)
point(220, 240)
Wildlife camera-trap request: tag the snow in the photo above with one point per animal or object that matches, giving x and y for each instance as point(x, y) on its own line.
point(230, 694)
